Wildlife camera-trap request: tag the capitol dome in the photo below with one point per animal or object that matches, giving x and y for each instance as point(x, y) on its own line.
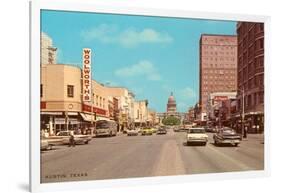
point(171, 105)
point(171, 99)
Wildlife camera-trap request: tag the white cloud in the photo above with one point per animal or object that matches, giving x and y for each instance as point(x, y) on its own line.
point(143, 68)
point(187, 92)
point(127, 38)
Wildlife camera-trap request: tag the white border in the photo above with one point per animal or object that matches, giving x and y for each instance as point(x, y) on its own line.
point(35, 8)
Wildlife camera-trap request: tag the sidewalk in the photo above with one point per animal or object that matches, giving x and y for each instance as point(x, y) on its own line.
point(255, 136)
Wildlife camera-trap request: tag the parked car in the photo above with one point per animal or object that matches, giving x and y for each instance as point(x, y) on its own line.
point(44, 144)
point(209, 129)
point(132, 132)
point(196, 135)
point(227, 135)
point(162, 130)
point(146, 131)
point(154, 130)
point(78, 138)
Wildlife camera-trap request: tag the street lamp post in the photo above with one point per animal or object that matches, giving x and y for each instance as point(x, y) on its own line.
point(243, 111)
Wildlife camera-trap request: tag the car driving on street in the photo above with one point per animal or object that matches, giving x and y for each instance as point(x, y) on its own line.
point(161, 130)
point(44, 144)
point(226, 135)
point(196, 135)
point(132, 132)
point(146, 131)
point(78, 138)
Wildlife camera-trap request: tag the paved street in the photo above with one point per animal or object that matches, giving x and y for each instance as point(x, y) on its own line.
point(144, 156)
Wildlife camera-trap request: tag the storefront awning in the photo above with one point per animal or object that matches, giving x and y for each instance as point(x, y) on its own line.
point(102, 118)
point(87, 117)
point(72, 113)
point(50, 113)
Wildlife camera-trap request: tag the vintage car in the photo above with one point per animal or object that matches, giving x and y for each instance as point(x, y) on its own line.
point(176, 129)
point(78, 138)
point(146, 131)
point(161, 130)
point(210, 129)
point(132, 132)
point(196, 135)
point(44, 144)
point(226, 135)
point(154, 130)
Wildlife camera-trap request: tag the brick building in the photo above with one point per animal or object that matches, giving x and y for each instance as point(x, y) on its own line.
point(251, 74)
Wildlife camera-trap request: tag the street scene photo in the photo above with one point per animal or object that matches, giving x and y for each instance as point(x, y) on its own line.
point(127, 96)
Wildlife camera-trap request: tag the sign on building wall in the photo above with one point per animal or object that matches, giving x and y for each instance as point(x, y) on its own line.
point(87, 75)
point(220, 98)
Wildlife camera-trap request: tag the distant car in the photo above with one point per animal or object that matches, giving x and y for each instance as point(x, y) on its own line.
point(132, 132)
point(209, 129)
point(162, 130)
point(78, 138)
point(196, 135)
point(44, 144)
point(176, 129)
point(227, 135)
point(146, 131)
point(154, 130)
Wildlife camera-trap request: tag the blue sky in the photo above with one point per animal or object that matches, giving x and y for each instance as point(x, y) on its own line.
point(151, 56)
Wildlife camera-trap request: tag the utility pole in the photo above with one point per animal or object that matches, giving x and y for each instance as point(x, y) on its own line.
point(243, 112)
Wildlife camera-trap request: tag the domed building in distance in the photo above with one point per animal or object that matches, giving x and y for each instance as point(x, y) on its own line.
point(171, 110)
point(171, 105)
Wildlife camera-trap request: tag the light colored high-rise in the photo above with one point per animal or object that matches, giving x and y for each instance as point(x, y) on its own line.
point(218, 66)
point(48, 51)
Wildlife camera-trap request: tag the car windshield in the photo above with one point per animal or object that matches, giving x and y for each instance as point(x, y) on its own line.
point(228, 131)
point(196, 131)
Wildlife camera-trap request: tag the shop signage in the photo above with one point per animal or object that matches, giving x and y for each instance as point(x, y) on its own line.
point(87, 75)
point(87, 108)
point(220, 98)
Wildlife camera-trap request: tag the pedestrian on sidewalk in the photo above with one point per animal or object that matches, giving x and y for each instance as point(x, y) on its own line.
point(245, 132)
point(71, 140)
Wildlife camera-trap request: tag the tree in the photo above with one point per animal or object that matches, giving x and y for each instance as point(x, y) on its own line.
point(171, 120)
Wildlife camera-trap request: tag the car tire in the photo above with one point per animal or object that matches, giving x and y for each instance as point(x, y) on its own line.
point(187, 143)
point(236, 144)
point(204, 144)
point(86, 142)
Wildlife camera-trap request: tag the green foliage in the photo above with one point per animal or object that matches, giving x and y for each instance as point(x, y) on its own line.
point(171, 121)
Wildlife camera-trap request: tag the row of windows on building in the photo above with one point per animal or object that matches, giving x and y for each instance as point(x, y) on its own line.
point(218, 65)
point(211, 53)
point(97, 100)
point(252, 100)
point(257, 45)
point(252, 68)
point(250, 29)
point(213, 77)
point(218, 58)
point(218, 41)
point(207, 72)
point(249, 72)
point(254, 82)
point(218, 86)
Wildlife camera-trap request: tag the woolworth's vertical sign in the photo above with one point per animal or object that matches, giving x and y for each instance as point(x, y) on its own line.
point(87, 83)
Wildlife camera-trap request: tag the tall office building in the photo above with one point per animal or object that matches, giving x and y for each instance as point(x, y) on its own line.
point(218, 67)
